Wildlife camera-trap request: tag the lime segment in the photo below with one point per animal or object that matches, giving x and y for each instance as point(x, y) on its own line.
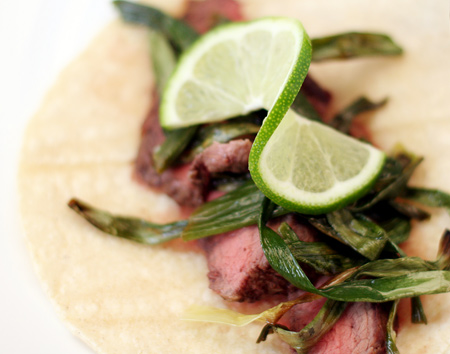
point(235, 69)
point(311, 168)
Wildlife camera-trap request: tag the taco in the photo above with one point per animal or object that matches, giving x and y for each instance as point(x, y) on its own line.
point(122, 297)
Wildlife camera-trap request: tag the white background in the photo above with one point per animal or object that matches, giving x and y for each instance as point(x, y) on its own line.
point(37, 39)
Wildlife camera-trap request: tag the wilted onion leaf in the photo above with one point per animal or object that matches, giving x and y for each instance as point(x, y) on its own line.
point(430, 197)
point(130, 228)
point(344, 119)
point(179, 33)
point(318, 255)
point(363, 235)
point(232, 211)
point(391, 336)
point(353, 44)
point(313, 332)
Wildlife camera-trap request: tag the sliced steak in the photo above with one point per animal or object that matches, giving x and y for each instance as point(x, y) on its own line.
point(187, 184)
point(175, 181)
point(360, 330)
point(152, 135)
point(238, 268)
point(203, 15)
point(227, 157)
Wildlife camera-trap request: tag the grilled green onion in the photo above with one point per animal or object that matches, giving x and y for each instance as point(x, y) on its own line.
point(391, 346)
point(318, 255)
point(363, 235)
point(343, 120)
point(179, 33)
point(232, 211)
point(353, 44)
point(130, 228)
point(430, 197)
point(305, 339)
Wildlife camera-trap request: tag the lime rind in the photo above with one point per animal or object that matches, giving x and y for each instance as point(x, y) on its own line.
point(284, 100)
point(224, 100)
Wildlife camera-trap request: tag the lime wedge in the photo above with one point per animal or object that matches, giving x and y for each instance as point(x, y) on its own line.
point(311, 168)
point(235, 69)
point(241, 67)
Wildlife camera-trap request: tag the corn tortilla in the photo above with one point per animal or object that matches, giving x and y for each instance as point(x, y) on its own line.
point(122, 297)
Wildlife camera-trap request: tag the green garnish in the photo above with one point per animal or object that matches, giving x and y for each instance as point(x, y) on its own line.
point(323, 258)
point(304, 108)
point(396, 278)
point(130, 228)
point(164, 59)
point(363, 235)
point(313, 332)
point(233, 318)
point(343, 120)
point(167, 153)
point(397, 229)
point(177, 32)
point(443, 259)
point(417, 311)
point(354, 44)
point(392, 182)
point(232, 211)
point(409, 210)
point(391, 336)
point(430, 197)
